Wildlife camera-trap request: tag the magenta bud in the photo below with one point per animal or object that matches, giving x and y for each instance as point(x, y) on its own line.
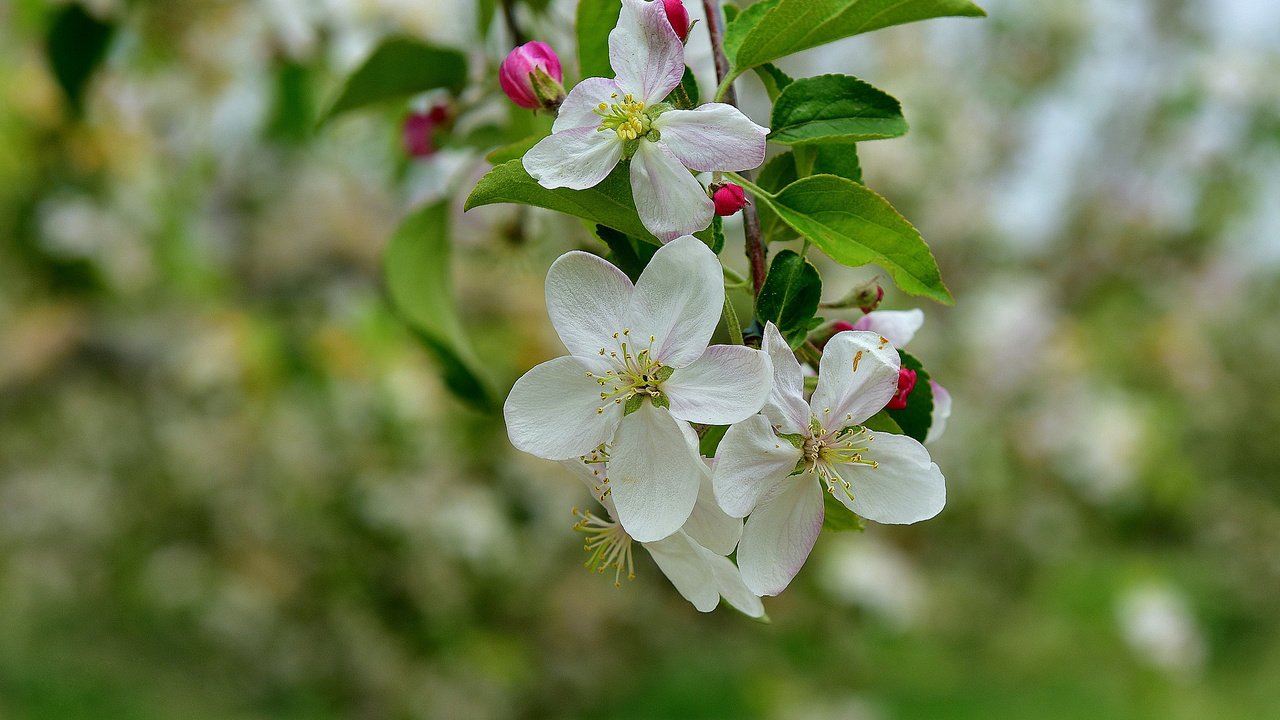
point(418, 133)
point(531, 75)
point(906, 383)
point(840, 326)
point(873, 304)
point(678, 17)
point(729, 199)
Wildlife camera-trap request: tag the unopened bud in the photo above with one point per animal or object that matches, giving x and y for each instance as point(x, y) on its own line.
point(729, 199)
point(531, 75)
point(865, 297)
point(906, 383)
point(418, 133)
point(678, 17)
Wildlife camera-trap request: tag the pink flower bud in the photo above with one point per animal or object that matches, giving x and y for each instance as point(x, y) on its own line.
point(906, 383)
point(729, 199)
point(520, 79)
point(678, 17)
point(873, 304)
point(418, 135)
point(840, 326)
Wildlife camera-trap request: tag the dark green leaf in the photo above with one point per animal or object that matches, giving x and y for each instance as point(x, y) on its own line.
point(630, 255)
point(398, 68)
point(292, 117)
point(834, 109)
point(595, 19)
point(781, 171)
point(711, 438)
point(685, 96)
point(416, 273)
point(837, 517)
point(772, 29)
point(76, 45)
point(713, 235)
point(855, 226)
point(774, 80)
point(917, 416)
point(608, 203)
point(790, 295)
point(778, 173)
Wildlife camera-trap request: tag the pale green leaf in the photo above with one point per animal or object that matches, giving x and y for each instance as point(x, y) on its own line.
point(398, 68)
point(595, 19)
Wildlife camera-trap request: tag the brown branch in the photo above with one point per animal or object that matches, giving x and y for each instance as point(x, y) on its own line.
point(756, 253)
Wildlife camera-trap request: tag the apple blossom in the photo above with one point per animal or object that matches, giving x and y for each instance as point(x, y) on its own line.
point(530, 75)
point(603, 122)
point(639, 368)
point(774, 466)
point(900, 326)
point(692, 558)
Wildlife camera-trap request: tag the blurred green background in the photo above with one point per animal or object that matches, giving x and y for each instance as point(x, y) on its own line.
point(232, 485)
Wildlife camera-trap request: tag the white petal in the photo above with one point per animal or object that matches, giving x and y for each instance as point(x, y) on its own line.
point(653, 474)
point(941, 412)
point(551, 411)
point(897, 326)
point(732, 588)
point(780, 535)
point(669, 200)
point(907, 486)
point(576, 159)
point(677, 301)
point(579, 108)
point(785, 407)
point(728, 384)
point(750, 462)
point(678, 558)
point(856, 379)
point(645, 52)
point(715, 136)
point(587, 299)
point(709, 525)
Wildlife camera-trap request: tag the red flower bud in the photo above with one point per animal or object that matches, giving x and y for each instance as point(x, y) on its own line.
point(906, 383)
point(678, 17)
point(729, 199)
point(840, 326)
point(418, 134)
point(531, 75)
point(875, 303)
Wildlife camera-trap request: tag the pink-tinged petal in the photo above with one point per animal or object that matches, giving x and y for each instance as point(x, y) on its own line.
point(751, 462)
point(684, 562)
point(779, 536)
point(587, 299)
point(645, 52)
point(728, 384)
point(677, 302)
point(579, 109)
point(906, 486)
point(785, 407)
point(896, 326)
point(709, 525)
point(731, 587)
point(715, 136)
point(552, 410)
point(653, 474)
point(941, 412)
point(576, 159)
point(857, 377)
point(669, 200)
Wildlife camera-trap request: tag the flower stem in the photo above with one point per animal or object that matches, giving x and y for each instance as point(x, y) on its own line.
point(731, 322)
point(756, 253)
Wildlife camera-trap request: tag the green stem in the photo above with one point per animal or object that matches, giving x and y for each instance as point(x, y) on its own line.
point(734, 278)
point(731, 322)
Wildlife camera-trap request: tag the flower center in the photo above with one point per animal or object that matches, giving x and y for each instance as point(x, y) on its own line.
point(824, 451)
point(634, 376)
point(609, 545)
point(627, 118)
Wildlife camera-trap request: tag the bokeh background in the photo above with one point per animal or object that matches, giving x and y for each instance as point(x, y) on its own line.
point(232, 485)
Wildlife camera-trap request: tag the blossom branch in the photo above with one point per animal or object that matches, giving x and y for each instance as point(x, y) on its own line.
point(751, 220)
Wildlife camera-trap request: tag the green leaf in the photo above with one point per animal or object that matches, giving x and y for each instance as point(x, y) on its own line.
point(76, 46)
point(774, 80)
point(713, 234)
point(608, 203)
point(485, 10)
point(781, 171)
point(882, 422)
point(398, 68)
point(837, 517)
point(790, 295)
point(685, 95)
point(710, 440)
point(515, 150)
point(630, 255)
point(595, 19)
point(855, 226)
point(917, 416)
point(416, 274)
point(772, 29)
point(834, 109)
point(292, 118)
